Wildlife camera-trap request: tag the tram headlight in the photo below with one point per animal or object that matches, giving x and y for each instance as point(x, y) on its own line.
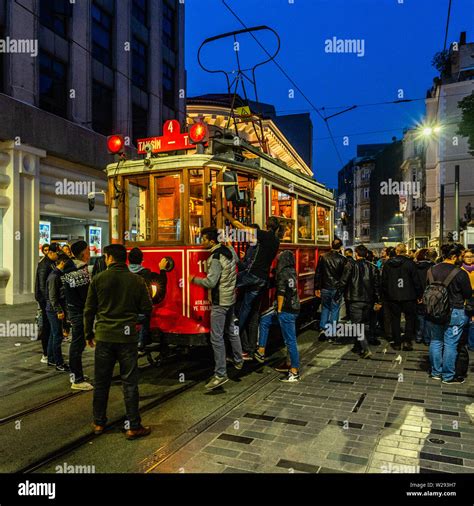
point(199, 133)
point(115, 144)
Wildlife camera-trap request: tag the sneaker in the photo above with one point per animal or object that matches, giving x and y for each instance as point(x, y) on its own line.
point(458, 381)
point(418, 341)
point(98, 429)
point(67, 339)
point(374, 342)
point(407, 346)
point(437, 378)
point(291, 378)
point(283, 368)
point(44, 359)
point(322, 336)
point(51, 364)
point(237, 365)
point(396, 347)
point(215, 382)
point(259, 357)
point(82, 386)
point(136, 433)
point(247, 357)
point(366, 354)
point(63, 367)
point(141, 353)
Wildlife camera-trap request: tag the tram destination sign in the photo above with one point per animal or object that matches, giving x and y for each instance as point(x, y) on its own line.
point(171, 140)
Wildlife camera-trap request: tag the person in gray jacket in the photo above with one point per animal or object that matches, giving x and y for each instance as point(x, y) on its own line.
point(221, 281)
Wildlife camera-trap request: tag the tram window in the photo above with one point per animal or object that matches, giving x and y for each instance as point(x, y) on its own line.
point(305, 220)
point(196, 205)
point(324, 223)
point(282, 204)
point(287, 227)
point(138, 219)
point(168, 204)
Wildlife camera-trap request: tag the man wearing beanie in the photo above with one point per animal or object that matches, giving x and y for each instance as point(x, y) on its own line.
point(76, 281)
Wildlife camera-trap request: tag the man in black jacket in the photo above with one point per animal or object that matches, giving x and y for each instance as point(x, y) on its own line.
point(328, 275)
point(401, 289)
point(56, 312)
point(361, 282)
point(45, 266)
point(76, 280)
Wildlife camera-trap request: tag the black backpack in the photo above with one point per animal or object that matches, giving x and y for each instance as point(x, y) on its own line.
point(436, 298)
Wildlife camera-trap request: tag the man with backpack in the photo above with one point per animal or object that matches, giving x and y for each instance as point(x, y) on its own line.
point(448, 287)
point(401, 288)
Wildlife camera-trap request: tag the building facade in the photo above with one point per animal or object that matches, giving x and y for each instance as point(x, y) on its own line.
point(70, 74)
point(445, 148)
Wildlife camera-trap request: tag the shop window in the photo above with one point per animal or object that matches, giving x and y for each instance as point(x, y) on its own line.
point(196, 205)
point(138, 226)
point(168, 208)
point(305, 220)
point(324, 223)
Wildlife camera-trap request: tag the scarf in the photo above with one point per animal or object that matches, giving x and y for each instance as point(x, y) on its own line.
point(135, 268)
point(468, 268)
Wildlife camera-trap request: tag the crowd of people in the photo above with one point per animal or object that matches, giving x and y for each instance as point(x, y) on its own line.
point(109, 306)
point(433, 292)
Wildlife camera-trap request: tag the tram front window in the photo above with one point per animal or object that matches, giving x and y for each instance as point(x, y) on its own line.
point(305, 220)
point(196, 205)
point(138, 216)
point(168, 204)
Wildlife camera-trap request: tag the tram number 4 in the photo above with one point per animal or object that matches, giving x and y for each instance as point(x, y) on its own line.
point(202, 265)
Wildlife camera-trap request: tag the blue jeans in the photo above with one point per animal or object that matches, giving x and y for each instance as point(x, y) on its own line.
point(251, 286)
point(329, 308)
point(55, 355)
point(422, 329)
point(287, 323)
point(443, 346)
point(144, 332)
point(470, 338)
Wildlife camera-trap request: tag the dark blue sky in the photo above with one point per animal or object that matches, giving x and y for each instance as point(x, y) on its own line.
point(400, 41)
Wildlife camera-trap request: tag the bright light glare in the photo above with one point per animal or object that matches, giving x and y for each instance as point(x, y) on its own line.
point(427, 131)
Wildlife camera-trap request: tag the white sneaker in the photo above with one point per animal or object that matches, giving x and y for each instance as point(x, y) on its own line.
point(82, 386)
point(291, 378)
point(44, 359)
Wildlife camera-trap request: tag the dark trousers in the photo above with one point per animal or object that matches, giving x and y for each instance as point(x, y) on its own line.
point(45, 331)
point(55, 355)
point(359, 313)
point(249, 336)
point(387, 321)
point(106, 355)
point(408, 308)
point(78, 344)
point(250, 287)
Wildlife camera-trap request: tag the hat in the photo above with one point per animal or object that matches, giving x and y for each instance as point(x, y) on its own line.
point(78, 247)
point(54, 247)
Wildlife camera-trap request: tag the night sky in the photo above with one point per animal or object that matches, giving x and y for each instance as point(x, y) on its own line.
point(399, 40)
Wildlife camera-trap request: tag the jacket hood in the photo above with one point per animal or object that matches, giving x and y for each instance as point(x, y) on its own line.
point(396, 261)
point(285, 259)
point(69, 267)
point(424, 264)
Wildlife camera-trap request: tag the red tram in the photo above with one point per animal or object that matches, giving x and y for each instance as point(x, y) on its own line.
point(161, 201)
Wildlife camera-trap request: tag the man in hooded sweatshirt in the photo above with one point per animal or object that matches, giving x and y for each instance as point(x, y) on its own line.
point(401, 289)
point(284, 313)
point(76, 280)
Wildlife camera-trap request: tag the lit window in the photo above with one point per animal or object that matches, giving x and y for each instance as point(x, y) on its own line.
point(168, 208)
point(138, 226)
point(323, 216)
point(305, 220)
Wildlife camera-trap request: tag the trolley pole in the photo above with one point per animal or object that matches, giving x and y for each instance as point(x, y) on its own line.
point(456, 200)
